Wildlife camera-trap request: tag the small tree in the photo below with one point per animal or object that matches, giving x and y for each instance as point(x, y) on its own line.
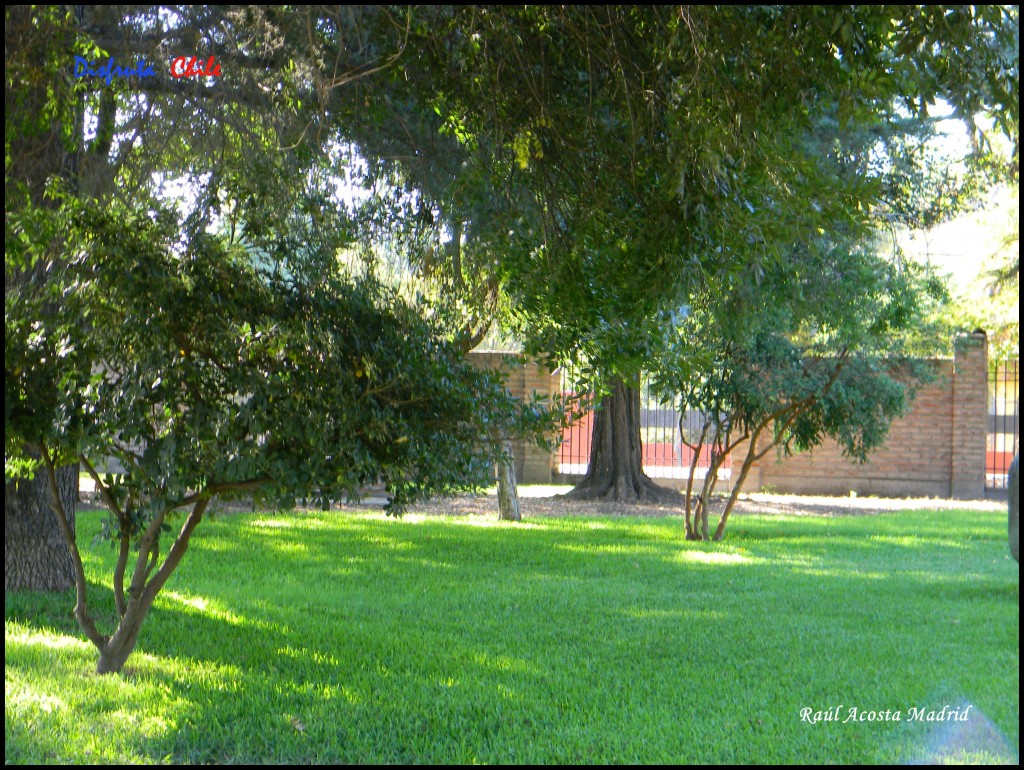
point(771, 396)
point(810, 350)
point(203, 374)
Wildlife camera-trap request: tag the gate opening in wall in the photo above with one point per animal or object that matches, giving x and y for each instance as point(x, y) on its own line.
point(1003, 432)
point(663, 426)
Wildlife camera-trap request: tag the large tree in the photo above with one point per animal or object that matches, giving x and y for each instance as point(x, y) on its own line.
point(210, 346)
point(105, 136)
point(627, 155)
point(39, 146)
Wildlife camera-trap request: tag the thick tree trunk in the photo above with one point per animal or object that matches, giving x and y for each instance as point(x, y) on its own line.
point(35, 554)
point(615, 473)
point(36, 558)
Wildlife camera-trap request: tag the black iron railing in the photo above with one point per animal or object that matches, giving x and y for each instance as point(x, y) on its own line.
point(1003, 434)
point(665, 454)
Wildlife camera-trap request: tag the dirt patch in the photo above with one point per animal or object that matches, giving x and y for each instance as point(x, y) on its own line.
point(545, 502)
point(788, 505)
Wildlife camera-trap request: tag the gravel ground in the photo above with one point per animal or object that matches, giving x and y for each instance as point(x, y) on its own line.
point(543, 501)
point(547, 501)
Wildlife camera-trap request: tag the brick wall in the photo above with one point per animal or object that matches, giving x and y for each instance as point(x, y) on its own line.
point(524, 378)
point(936, 450)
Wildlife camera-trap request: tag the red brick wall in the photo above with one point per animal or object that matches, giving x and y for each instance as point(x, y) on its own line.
point(936, 450)
point(533, 465)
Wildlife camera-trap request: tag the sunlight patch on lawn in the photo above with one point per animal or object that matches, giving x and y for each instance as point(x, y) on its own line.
point(469, 521)
point(44, 639)
point(631, 549)
point(290, 549)
point(914, 541)
point(655, 613)
point(294, 520)
point(330, 692)
point(20, 696)
point(841, 573)
point(384, 541)
point(432, 563)
point(206, 606)
point(714, 557)
point(476, 521)
point(273, 523)
point(195, 602)
point(503, 663)
point(320, 659)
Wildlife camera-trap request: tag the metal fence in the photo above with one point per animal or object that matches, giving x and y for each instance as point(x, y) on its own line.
point(1003, 433)
point(665, 455)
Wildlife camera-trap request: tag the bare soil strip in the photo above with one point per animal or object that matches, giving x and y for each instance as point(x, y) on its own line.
point(760, 504)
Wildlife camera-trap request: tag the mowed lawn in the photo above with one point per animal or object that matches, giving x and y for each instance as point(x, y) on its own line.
point(348, 637)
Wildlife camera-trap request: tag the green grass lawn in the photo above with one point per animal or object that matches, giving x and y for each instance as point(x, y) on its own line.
point(345, 637)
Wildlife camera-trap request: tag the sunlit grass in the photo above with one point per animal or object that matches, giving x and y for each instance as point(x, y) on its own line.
point(346, 637)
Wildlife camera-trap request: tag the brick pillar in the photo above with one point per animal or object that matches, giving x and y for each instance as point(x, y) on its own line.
point(538, 464)
point(533, 465)
point(970, 416)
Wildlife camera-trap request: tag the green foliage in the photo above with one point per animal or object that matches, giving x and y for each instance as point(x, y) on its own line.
point(624, 158)
point(792, 351)
point(216, 349)
point(836, 322)
point(629, 154)
point(628, 646)
point(608, 166)
point(199, 371)
point(976, 67)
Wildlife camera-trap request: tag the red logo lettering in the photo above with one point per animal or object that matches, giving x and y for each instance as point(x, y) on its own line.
point(191, 67)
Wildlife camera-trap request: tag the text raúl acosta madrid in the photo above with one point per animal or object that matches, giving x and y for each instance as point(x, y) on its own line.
point(913, 714)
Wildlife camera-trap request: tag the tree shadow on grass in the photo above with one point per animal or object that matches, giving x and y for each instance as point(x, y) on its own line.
point(396, 642)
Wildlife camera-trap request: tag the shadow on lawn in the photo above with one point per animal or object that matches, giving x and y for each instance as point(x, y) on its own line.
point(430, 641)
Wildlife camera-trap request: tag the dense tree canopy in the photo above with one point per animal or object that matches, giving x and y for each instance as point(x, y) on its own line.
point(623, 153)
point(209, 343)
point(602, 164)
point(202, 374)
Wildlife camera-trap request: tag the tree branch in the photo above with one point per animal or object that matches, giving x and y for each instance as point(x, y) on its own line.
point(212, 490)
point(177, 550)
point(82, 615)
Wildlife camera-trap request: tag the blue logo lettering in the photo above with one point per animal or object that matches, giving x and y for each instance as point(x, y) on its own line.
point(108, 71)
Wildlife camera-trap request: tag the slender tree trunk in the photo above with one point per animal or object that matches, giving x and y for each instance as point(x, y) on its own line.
point(701, 527)
point(691, 532)
point(1013, 507)
point(615, 473)
point(737, 486)
point(508, 491)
